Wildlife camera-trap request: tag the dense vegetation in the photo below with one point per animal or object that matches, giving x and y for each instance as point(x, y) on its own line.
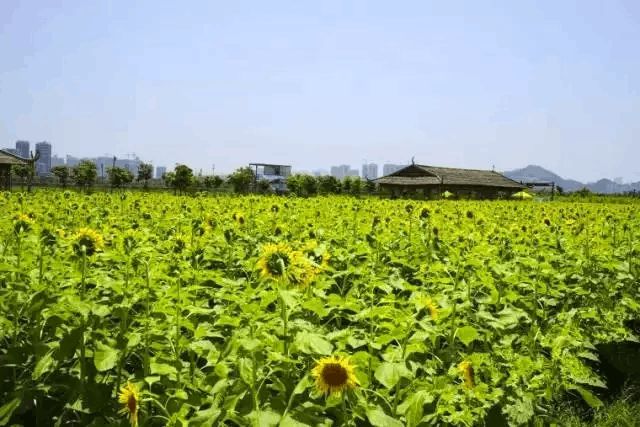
point(245, 310)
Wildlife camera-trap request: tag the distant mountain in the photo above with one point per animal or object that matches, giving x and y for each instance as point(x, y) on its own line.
point(533, 173)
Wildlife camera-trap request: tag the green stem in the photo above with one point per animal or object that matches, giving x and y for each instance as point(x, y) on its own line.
point(123, 322)
point(177, 338)
point(40, 266)
point(83, 321)
point(404, 355)
point(19, 251)
point(285, 321)
point(146, 323)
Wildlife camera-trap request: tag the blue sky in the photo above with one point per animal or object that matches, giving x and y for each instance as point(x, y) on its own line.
point(317, 83)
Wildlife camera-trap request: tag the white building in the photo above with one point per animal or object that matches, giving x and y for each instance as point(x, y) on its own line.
point(43, 165)
point(342, 171)
point(369, 171)
point(389, 168)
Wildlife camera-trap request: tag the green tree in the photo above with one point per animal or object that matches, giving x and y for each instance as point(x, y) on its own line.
point(168, 178)
point(309, 185)
point(145, 173)
point(62, 173)
point(294, 184)
point(119, 177)
point(84, 174)
point(183, 178)
point(370, 186)
point(346, 184)
point(241, 179)
point(356, 186)
point(212, 182)
point(24, 172)
point(328, 184)
point(263, 186)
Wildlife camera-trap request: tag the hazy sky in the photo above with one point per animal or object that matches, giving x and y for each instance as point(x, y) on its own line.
point(317, 83)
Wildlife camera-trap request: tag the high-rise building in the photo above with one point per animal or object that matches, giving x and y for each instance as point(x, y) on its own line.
point(160, 170)
point(129, 164)
point(72, 161)
point(389, 168)
point(369, 171)
point(43, 165)
point(56, 161)
point(22, 148)
point(342, 171)
point(102, 164)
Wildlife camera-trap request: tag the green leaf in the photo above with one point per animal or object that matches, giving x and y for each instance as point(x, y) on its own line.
point(264, 418)
point(521, 410)
point(245, 366)
point(69, 343)
point(105, 358)
point(316, 305)
point(101, 310)
point(388, 373)
point(152, 379)
point(7, 410)
point(310, 343)
point(591, 399)
point(467, 334)
point(287, 421)
point(413, 407)
point(205, 417)
point(302, 385)
point(162, 369)
point(43, 365)
point(290, 298)
point(378, 418)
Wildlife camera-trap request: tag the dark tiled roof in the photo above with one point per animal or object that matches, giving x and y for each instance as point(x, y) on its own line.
point(11, 159)
point(408, 180)
point(433, 175)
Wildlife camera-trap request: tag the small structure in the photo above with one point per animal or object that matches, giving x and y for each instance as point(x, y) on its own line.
point(533, 184)
point(433, 181)
point(276, 175)
point(7, 160)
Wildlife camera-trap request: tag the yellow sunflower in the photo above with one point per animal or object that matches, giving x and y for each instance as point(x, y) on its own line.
point(334, 374)
point(317, 254)
point(303, 271)
point(431, 307)
point(130, 398)
point(87, 240)
point(238, 217)
point(468, 375)
point(275, 261)
point(22, 223)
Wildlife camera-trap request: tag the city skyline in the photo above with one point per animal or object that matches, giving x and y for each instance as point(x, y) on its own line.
point(369, 170)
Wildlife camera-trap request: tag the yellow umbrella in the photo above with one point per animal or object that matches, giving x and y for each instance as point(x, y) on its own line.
point(522, 195)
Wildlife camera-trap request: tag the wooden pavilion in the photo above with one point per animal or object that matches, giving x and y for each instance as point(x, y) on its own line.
point(6, 161)
point(433, 181)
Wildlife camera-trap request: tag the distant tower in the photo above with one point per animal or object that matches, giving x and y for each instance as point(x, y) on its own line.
point(22, 148)
point(369, 171)
point(43, 165)
point(160, 170)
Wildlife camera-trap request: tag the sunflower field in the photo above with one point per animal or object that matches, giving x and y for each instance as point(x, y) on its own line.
point(152, 309)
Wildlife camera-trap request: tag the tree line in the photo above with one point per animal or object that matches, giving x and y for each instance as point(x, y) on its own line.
point(84, 175)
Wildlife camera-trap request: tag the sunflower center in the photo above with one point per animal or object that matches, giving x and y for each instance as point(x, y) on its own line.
point(132, 404)
point(334, 374)
point(278, 263)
